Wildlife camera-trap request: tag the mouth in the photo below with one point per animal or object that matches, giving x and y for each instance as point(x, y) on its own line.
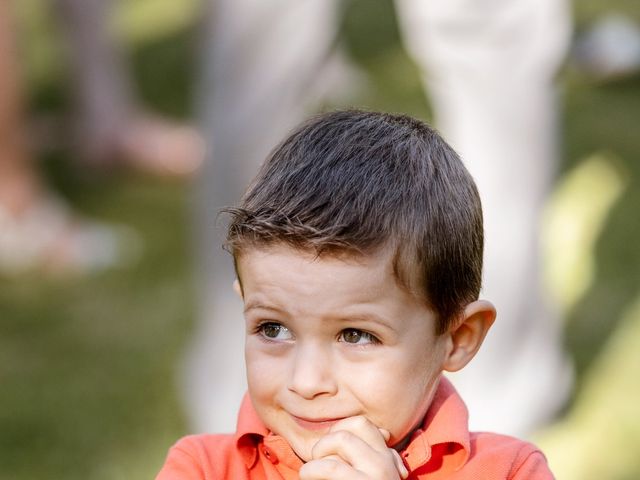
point(315, 423)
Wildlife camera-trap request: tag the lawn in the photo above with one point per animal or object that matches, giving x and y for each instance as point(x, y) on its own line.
point(88, 366)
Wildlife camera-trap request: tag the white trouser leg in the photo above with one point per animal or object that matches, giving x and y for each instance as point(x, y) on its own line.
point(488, 68)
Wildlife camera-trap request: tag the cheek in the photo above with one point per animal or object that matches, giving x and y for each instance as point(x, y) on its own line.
point(381, 384)
point(263, 372)
point(396, 393)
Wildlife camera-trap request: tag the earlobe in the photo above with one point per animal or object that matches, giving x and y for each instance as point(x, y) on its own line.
point(467, 335)
point(237, 288)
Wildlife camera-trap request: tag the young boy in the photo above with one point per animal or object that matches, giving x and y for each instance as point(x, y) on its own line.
point(358, 251)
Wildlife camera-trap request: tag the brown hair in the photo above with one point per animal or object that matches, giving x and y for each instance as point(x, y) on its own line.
point(354, 182)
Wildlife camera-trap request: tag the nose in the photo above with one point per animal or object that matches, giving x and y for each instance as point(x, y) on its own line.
point(312, 371)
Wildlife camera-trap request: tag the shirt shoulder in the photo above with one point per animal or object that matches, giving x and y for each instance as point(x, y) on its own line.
point(203, 457)
point(502, 456)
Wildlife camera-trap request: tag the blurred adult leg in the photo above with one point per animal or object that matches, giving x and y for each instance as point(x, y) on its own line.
point(38, 231)
point(489, 69)
point(19, 182)
point(262, 62)
point(112, 127)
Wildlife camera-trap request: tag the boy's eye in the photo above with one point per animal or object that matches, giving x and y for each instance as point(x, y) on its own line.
point(274, 331)
point(357, 337)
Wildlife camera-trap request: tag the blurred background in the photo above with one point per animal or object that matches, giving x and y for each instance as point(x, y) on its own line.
point(90, 350)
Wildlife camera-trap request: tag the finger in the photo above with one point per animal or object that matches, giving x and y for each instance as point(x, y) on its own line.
point(344, 444)
point(329, 469)
point(400, 466)
point(402, 469)
point(366, 430)
point(363, 428)
point(354, 451)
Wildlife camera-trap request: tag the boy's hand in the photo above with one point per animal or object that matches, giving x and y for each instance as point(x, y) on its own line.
point(354, 449)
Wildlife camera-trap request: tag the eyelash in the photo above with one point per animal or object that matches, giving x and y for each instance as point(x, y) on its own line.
point(260, 330)
point(372, 339)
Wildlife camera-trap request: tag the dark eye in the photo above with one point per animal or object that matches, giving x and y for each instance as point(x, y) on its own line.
point(274, 331)
point(358, 337)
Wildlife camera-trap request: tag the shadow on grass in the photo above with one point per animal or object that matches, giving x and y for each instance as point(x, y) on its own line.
point(602, 118)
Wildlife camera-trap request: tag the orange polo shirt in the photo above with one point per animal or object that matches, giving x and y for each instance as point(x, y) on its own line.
point(442, 448)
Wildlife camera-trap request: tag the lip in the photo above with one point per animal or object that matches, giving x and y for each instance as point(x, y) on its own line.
point(315, 423)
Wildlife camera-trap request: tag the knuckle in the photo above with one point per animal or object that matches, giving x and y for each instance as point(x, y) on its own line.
point(306, 471)
point(341, 436)
point(324, 468)
point(318, 449)
point(351, 423)
point(360, 421)
point(332, 466)
point(385, 463)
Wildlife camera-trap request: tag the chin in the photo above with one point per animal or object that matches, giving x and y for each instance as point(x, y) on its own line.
point(303, 449)
point(302, 444)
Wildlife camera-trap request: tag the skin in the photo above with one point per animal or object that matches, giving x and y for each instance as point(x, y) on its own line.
point(341, 361)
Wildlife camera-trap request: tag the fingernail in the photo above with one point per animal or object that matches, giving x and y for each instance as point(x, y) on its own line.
point(402, 468)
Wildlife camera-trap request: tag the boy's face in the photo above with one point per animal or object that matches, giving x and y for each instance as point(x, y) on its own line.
point(329, 338)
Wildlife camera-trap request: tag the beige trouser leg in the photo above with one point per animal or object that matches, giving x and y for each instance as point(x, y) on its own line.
point(102, 92)
point(489, 67)
point(261, 62)
point(19, 180)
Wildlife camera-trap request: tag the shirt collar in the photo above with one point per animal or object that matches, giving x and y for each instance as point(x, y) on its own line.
point(445, 425)
point(251, 432)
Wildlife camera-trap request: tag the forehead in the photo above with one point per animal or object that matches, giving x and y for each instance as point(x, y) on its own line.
point(329, 281)
point(258, 262)
point(390, 261)
point(297, 280)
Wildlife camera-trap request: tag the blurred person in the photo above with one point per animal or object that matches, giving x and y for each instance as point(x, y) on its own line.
point(38, 230)
point(489, 69)
point(264, 65)
point(111, 127)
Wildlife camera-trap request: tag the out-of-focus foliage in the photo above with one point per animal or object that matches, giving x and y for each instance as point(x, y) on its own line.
point(88, 367)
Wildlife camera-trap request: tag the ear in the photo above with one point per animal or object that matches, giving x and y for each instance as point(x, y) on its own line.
point(238, 288)
point(466, 335)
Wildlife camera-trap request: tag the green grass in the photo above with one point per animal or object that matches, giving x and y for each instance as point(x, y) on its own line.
point(600, 118)
point(88, 366)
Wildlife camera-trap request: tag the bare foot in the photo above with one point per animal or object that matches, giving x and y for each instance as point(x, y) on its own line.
point(144, 143)
point(155, 146)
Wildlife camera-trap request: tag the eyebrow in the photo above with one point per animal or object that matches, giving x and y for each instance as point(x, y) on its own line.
point(362, 317)
point(259, 305)
point(367, 317)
